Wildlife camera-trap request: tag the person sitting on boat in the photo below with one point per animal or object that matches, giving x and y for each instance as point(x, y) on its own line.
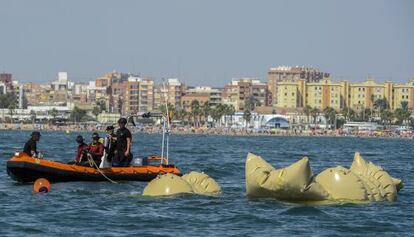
point(81, 158)
point(30, 147)
point(122, 155)
point(96, 149)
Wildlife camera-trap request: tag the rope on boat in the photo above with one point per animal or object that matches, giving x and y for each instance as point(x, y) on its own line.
point(91, 161)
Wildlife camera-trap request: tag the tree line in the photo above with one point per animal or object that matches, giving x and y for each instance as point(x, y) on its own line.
point(378, 112)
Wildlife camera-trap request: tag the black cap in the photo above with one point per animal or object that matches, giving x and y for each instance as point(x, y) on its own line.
point(36, 133)
point(95, 135)
point(110, 128)
point(122, 120)
point(79, 139)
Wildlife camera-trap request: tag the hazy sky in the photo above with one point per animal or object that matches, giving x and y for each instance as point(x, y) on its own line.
point(206, 42)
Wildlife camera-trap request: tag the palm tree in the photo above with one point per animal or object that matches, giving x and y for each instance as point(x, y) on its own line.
point(403, 113)
point(387, 116)
point(206, 108)
point(314, 112)
point(307, 110)
point(218, 112)
point(247, 116)
point(330, 115)
point(181, 114)
point(54, 113)
point(348, 113)
point(33, 116)
point(195, 111)
point(230, 111)
point(11, 108)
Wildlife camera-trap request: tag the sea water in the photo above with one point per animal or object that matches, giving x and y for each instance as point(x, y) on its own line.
point(106, 209)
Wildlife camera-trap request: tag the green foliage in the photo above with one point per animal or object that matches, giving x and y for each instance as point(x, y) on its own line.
point(247, 116)
point(218, 112)
point(307, 111)
point(330, 115)
point(77, 114)
point(402, 114)
point(7, 100)
point(181, 114)
point(163, 108)
point(33, 116)
point(11, 108)
point(206, 109)
point(251, 103)
point(314, 112)
point(387, 116)
point(364, 115)
point(195, 111)
point(101, 105)
point(381, 104)
point(54, 113)
point(348, 113)
point(96, 111)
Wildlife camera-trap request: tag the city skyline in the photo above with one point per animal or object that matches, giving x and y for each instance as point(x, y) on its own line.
point(206, 43)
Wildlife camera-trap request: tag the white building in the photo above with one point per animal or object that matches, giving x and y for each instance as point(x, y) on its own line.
point(61, 83)
point(2, 88)
point(42, 112)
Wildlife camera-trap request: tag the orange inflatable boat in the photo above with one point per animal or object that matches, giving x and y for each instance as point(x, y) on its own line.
point(24, 168)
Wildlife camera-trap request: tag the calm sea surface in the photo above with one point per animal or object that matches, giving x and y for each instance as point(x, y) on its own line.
point(105, 209)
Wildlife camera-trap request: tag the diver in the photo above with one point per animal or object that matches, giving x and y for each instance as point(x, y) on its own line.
point(30, 147)
point(109, 143)
point(96, 149)
point(81, 151)
point(122, 156)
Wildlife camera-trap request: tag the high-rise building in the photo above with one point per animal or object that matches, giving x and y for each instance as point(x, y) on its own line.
point(170, 91)
point(132, 96)
point(292, 74)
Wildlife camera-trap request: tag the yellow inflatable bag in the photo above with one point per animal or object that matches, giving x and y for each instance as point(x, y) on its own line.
point(289, 183)
point(167, 184)
point(202, 183)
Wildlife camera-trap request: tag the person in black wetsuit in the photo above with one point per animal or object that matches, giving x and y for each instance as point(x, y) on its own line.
point(30, 147)
point(122, 155)
point(109, 143)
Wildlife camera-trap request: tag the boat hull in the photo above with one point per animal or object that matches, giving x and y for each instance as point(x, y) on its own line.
point(26, 169)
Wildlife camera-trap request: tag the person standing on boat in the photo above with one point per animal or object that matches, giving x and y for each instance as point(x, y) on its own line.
point(122, 155)
point(30, 147)
point(96, 149)
point(109, 143)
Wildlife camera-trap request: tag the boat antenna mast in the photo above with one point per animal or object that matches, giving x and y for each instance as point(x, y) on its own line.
point(165, 127)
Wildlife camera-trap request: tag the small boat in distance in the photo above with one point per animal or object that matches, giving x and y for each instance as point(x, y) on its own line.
point(24, 168)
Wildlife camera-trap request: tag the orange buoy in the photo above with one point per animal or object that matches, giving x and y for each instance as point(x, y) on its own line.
point(41, 186)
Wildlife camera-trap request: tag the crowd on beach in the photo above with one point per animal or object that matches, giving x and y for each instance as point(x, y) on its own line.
point(204, 130)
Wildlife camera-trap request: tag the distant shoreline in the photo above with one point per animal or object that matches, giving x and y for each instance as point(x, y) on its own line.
point(213, 132)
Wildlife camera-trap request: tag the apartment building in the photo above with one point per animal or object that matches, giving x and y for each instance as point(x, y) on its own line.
point(203, 94)
point(291, 74)
point(240, 90)
point(403, 93)
point(170, 91)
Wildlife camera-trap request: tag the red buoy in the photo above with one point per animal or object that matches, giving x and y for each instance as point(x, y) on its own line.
point(41, 186)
